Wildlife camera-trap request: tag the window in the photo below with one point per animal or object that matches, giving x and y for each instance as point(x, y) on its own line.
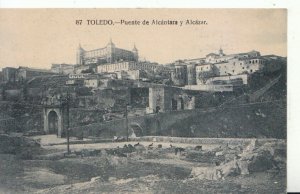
point(251, 70)
point(243, 67)
point(232, 71)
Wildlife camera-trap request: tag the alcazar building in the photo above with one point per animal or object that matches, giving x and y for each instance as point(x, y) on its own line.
point(108, 54)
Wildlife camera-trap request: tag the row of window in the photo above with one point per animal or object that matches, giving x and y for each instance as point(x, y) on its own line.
point(95, 53)
point(233, 71)
point(203, 68)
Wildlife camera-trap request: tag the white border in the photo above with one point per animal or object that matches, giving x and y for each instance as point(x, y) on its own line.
point(293, 44)
point(144, 3)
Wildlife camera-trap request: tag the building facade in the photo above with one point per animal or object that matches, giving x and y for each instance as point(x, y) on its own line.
point(179, 74)
point(239, 66)
point(26, 73)
point(197, 71)
point(9, 74)
point(62, 68)
point(125, 66)
point(163, 99)
point(191, 74)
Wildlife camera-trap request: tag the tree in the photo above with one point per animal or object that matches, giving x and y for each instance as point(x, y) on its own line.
point(205, 75)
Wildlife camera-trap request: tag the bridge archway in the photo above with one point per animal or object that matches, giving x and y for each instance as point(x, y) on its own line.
point(53, 121)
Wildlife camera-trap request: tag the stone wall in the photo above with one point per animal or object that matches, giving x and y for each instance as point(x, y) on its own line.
point(201, 141)
point(258, 120)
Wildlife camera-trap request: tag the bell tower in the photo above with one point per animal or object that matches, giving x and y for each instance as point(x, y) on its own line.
point(135, 53)
point(79, 55)
point(221, 54)
point(110, 51)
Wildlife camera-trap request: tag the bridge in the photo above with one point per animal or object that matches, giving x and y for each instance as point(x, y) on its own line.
point(151, 124)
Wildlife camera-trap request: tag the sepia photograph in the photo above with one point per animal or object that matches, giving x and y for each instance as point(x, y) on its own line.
point(143, 100)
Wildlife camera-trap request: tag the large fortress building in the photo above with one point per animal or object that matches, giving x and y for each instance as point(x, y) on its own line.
point(109, 54)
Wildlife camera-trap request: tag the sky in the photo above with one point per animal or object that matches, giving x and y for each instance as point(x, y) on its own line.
point(39, 37)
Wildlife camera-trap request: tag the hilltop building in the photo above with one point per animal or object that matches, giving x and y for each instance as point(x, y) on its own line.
point(220, 65)
point(108, 54)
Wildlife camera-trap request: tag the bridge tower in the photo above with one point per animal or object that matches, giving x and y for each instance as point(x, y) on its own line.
point(56, 115)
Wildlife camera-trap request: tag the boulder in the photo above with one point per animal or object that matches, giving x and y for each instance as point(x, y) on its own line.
point(229, 169)
point(243, 166)
point(208, 173)
point(260, 162)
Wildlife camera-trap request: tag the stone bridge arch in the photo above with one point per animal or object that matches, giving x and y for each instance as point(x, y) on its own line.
point(48, 113)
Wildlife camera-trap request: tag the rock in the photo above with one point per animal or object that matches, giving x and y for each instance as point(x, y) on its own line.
point(97, 178)
point(208, 173)
point(260, 162)
point(229, 169)
point(140, 148)
point(251, 146)
point(243, 166)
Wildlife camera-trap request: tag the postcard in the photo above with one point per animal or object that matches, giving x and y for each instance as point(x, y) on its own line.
point(143, 100)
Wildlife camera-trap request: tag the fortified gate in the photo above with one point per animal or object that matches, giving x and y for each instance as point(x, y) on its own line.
point(55, 114)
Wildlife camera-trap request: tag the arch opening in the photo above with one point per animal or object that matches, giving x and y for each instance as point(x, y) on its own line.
point(53, 122)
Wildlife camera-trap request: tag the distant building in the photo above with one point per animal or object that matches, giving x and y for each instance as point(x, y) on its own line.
point(89, 80)
point(197, 71)
point(179, 74)
point(26, 73)
point(9, 74)
point(239, 66)
point(125, 66)
point(108, 54)
point(221, 57)
point(191, 74)
point(92, 82)
point(165, 98)
point(62, 68)
point(128, 69)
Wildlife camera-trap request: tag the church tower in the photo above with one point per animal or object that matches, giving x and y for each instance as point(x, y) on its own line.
point(110, 51)
point(221, 54)
point(135, 53)
point(79, 55)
